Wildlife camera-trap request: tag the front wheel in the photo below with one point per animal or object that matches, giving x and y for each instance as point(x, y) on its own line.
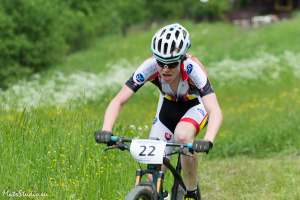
point(142, 192)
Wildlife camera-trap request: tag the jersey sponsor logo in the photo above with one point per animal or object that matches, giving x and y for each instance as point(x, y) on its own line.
point(140, 78)
point(203, 112)
point(189, 68)
point(168, 136)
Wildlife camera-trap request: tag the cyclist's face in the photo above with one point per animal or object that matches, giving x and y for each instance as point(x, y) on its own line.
point(169, 72)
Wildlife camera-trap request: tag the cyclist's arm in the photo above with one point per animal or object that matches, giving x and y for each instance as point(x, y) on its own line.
point(145, 71)
point(215, 116)
point(198, 75)
point(114, 107)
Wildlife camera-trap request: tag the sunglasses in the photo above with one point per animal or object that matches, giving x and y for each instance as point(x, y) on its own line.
point(169, 66)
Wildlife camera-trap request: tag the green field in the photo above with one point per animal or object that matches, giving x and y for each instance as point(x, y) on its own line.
point(47, 122)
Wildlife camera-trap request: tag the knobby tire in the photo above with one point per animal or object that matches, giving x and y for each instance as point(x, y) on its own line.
point(141, 192)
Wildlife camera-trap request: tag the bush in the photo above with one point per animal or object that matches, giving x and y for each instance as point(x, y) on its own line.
point(10, 44)
point(78, 30)
point(131, 12)
point(31, 37)
point(191, 9)
point(211, 10)
point(116, 16)
point(38, 22)
point(7, 39)
point(36, 34)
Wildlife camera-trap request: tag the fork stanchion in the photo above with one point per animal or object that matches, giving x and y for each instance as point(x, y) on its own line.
point(138, 177)
point(159, 181)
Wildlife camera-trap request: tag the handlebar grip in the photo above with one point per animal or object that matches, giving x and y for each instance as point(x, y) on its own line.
point(103, 137)
point(202, 146)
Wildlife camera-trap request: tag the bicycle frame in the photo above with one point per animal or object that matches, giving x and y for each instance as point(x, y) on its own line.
point(158, 177)
point(155, 169)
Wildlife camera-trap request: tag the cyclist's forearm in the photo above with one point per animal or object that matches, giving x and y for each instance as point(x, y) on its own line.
point(114, 107)
point(111, 115)
point(215, 116)
point(213, 126)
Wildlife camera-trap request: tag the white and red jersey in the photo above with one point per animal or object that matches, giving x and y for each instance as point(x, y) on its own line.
point(193, 82)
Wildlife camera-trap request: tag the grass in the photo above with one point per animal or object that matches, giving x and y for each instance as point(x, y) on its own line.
point(242, 177)
point(51, 148)
point(60, 158)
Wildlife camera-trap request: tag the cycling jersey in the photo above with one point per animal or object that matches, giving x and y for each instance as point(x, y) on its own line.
point(183, 105)
point(193, 82)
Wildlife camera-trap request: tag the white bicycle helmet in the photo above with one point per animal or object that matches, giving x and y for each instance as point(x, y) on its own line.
point(170, 43)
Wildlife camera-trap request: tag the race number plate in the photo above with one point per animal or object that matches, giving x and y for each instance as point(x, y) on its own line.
point(148, 151)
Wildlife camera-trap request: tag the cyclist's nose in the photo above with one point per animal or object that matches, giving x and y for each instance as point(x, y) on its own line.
point(166, 68)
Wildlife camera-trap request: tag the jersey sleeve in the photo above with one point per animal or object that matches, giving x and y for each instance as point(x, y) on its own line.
point(143, 73)
point(198, 76)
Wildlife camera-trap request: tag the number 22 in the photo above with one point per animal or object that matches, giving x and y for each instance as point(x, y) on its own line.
point(144, 149)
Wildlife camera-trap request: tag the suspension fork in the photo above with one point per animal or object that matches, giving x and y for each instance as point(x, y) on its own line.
point(157, 176)
point(138, 176)
point(159, 182)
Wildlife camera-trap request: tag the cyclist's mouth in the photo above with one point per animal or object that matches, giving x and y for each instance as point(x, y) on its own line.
point(167, 75)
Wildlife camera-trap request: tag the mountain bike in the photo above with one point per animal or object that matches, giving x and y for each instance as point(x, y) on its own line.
point(151, 152)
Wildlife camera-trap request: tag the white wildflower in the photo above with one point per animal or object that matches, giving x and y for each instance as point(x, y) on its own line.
point(60, 88)
point(146, 127)
point(293, 60)
point(266, 67)
point(132, 127)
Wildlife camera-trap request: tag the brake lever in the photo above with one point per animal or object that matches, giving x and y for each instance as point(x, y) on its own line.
point(182, 152)
point(123, 147)
point(109, 148)
point(120, 146)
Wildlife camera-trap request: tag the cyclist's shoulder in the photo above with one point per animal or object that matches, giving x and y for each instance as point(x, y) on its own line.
point(191, 59)
point(146, 71)
point(193, 65)
point(148, 64)
point(150, 61)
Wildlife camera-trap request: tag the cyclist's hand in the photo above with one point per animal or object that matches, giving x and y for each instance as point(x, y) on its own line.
point(104, 137)
point(202, 146)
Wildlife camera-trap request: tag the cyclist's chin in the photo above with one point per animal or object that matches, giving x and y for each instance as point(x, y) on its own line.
point(168, 78)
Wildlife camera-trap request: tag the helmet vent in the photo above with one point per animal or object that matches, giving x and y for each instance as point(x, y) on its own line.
point(168, 36)
point(184, 34)
point(154, 41)
point(165, 48)
point(173, 46)
point(180, 45)
point(162, 32)
point(177, 34)
point(159, 45)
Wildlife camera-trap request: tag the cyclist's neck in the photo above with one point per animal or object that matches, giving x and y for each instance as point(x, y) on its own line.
point(174, 84)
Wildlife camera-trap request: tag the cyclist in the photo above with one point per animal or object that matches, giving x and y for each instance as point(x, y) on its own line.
point(186, 100)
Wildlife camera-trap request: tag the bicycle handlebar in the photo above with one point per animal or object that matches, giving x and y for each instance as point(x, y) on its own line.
point(103, 137)
point(197, 146)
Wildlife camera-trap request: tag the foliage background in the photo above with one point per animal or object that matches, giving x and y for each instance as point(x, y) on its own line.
point(47, 121)
point(36, 34)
